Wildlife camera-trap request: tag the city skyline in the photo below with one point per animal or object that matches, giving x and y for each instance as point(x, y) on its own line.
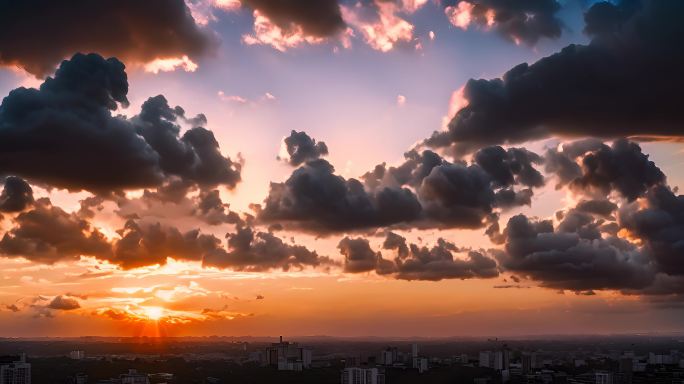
point(389, 168)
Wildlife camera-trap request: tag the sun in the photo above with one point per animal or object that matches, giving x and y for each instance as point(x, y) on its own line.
point(153, 313)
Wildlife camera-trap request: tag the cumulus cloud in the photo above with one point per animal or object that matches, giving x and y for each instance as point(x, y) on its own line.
point(509, 167)
point(314, 198)
point(64, 303)
point(16, 195)
point(92, 150)
point(636, 66)
point(518, 21)
point(593, 168)
point(143, 244)
point(622, 167)
point(358, 255)
point(424, 191)
point(37, 34)
point(250, 250)
point(300, 147)
point(48, 234)
point(414, 262)
point(658, 221)
point(572, 256)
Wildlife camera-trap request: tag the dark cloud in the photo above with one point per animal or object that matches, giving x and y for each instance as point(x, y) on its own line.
point(359, 257)
point(438, 263)
point(621, 167)
point(63, 303)
point(519, 21)
point(624, 83)
point(213, 210)
point(396, 242)
point(48, 234)
point(416, 166)
point(315, 199)
point(37, 34)
point(16, 196)
point(597, 207)
point(658, 221)
point(509, 167)
point(508, 198)
point(320, 18)
point(571, 258)
point(424, 191)
point(194, 156)
point(250, 250)
point(177, 198)
point(456, 195)
point(64, 135)
point(13, 308)
point(414, 262)
point(300, 148)
point(143, 244)
point(596, 169)
point(563, 162)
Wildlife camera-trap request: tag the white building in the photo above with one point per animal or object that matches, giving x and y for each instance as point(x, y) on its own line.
point(77, 355)
point(362, 376)
point(14, 370)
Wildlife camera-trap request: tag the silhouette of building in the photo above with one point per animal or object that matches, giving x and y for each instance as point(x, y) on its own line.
point(287, 356)
point(485, 359)
point(15, 370)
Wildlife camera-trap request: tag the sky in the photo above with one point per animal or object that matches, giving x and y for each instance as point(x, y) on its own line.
point(392, 168)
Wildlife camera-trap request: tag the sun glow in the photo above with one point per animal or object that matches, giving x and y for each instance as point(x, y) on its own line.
point(154, 313)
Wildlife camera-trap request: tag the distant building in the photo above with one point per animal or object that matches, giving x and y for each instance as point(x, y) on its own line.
point(529, 362)
point(287, 356)
point(603, 377)
point(485, 359)
point(15, 370)
point(77, 355)
point(358, 375)
point(79, 378)
point(389, 356)
point(133, 377)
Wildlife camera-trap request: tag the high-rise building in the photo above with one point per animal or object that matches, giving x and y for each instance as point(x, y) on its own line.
point(357, 375)
point(77, 355)
point(485, 359)
point(287, 356)
point(529, 362)
point(389, 356)
point(15, 370)
point(498, 361)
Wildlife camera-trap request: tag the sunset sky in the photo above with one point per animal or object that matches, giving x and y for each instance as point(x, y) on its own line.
point(340, 167)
